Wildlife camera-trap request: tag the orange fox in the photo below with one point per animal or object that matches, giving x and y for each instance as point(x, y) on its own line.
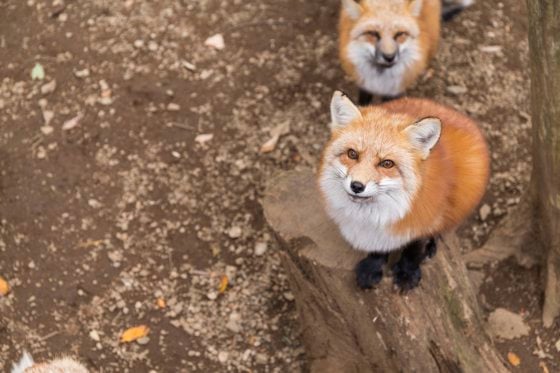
point(385, 45)
point(397, 175)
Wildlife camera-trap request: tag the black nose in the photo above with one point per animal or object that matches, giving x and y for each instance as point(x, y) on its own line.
point(389, 57)
point(357, 187)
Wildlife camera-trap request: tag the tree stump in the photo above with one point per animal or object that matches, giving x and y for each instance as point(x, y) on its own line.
point(435, 328)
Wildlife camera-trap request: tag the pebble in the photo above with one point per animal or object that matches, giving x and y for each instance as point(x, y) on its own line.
point(173, 107)
point(223, 356)
point(505, 324)
point(484, 212)
point(235, 232)
point(456, 89)
point(82, 73)
point(260, 248)
point(94, 335)
point(212, 295)
point(289, 296)
point(48, 87)
point(143, 341)
point(216, 42)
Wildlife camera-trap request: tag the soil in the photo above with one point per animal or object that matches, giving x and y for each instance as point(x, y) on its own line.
point(118, 201)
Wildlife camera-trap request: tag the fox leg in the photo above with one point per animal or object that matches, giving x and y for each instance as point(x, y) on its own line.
point(406, 272)
point(364, 98)
point(369, 271)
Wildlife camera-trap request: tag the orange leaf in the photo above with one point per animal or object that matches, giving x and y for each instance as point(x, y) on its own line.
point(513, 359)
point(161, 303)
point(133, 334)
point(223, 284)
point(4, 287)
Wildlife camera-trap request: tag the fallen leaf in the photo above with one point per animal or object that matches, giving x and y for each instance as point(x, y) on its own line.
point(38, 72)
point(71, 123)
point(513, 359)
point(4, 287)
point(204, 138)
point(135, 333)
point(161, 303)
point(216, 42)
point(543, 366)
point(276, 133)
point(224, 281)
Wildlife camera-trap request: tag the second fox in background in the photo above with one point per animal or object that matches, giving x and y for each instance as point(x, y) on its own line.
point(385, 45)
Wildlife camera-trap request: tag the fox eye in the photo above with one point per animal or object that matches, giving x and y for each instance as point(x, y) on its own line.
point(387, 163)
point(352, 154)
point(401, 36)
point(373, 34)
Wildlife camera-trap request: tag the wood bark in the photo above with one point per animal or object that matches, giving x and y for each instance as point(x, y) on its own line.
point(544, 43)
point(435, 328)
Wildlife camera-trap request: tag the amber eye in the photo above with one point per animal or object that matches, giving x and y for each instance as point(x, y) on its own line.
point(373, 34)
point(352, 154)
point(387, 163)
point(401, 36)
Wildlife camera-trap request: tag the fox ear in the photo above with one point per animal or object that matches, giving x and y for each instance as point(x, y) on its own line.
point(352, 8)
point(424, 135)
point(343, 111)
point(415, 7)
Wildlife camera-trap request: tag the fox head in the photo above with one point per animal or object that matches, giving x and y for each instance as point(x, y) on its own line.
point(382, 33)
point(371, 166)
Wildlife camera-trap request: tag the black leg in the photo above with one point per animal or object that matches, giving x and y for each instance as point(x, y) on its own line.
point(364, 98)
point(406, 272)
point(369, 271)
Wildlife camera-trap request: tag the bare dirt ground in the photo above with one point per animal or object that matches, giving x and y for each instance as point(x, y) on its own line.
point(131, 205)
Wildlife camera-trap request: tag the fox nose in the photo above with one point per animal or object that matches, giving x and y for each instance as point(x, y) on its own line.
point(389, 57)
point(357, 187)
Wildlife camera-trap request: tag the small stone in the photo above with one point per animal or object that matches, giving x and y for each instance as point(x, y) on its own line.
point(94, 203)
point(234, 323)
point(143, 341)
point(152, 46)
point(484, 212)
point(173, 107)
point(47, 130)
point(260, 248)
point(48, 116)
point(48, 87)
point(505, 324)
point(456, 89)
point(557, 345)
point(31, 265)
point(139, 43)
point(223, 356)
point(212, 295)
point(216, 42)
point(94, 335)
point(84, 73)
point(235, 232)
point(289, 296)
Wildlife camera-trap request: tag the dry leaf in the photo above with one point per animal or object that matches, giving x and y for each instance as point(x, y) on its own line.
point(224, 281)
point(204, 138)
point(4, 287)
point(133, 334)
point(161, 303)
point(513, 359)
point(543, 366)
point(71, 123)
point(279, 130)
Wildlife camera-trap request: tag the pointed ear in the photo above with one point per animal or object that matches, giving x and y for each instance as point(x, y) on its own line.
point(415, 7)
point(343, 111)
point(424, 135)
point(352, 8)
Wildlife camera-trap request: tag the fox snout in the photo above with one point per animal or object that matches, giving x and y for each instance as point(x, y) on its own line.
point(386, 53)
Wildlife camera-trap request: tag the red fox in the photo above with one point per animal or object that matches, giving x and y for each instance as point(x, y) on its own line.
point(397, 175)
point(62, 365)
point(385, 45)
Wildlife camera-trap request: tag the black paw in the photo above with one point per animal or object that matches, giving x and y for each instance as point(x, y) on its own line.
point(431, 248)
point(369, 272)
point(406, 276)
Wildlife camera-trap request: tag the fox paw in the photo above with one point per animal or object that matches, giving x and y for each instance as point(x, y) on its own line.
point(406, 276)
point(368, 273)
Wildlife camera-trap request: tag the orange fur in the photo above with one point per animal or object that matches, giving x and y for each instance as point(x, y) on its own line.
point(428, 22)
point(455, 175)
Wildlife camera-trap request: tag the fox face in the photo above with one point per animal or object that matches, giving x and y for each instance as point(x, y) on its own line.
point(370, 169)
point(381, 42)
